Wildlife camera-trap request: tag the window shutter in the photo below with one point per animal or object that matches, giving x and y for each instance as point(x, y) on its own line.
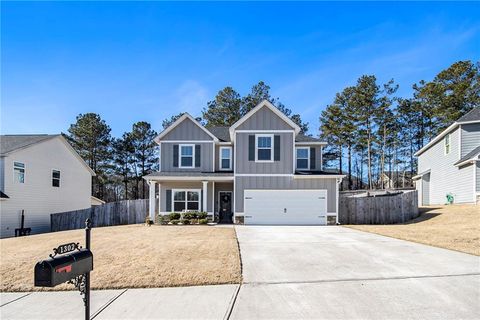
point(276, 146)
point(168, 201)
point(197, 155)
point(202, 209)
point(175, 155)
point(312, 158)
point(251, 148)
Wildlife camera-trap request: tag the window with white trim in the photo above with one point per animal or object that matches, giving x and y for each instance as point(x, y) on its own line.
point(187, 155)
point(264, 147)
point(303, 158)
point(447, 143)
point(185, 200)
point(225, 158)
point(19, 172)
point(56, 178)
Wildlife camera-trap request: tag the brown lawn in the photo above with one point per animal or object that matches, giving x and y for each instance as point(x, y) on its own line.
point(133, 256)
point(455, 227)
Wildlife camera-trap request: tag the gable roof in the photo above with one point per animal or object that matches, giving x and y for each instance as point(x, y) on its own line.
point(14, 142)
point(468, 157)
point(221, 133)
point(269, 105)
point(180, 120)
point(473, 116)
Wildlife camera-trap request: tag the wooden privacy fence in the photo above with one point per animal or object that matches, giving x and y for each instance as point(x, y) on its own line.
point(379, 209)
point(108, 214)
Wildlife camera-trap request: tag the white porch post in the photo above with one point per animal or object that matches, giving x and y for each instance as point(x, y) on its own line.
point(205, 196)
point(159, 196)
point(151, 203)
point(213, 201)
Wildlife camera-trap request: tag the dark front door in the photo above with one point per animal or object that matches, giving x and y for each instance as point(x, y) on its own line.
point(225, 213)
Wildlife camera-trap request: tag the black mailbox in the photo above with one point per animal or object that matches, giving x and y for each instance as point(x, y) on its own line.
point(60, 269)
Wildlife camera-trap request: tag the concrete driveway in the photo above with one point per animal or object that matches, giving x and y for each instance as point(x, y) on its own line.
point(340, 273)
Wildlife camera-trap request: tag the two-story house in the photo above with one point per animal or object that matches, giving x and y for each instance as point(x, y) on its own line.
point(261, 170)
point(40, 175)
point(450, 164)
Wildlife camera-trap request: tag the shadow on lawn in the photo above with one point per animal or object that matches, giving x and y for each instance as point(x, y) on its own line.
point(425, 215)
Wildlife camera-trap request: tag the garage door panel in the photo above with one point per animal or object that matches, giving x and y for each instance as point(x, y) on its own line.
point(285, 207)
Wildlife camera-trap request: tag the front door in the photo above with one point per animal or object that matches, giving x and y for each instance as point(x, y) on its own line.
point(225, 207)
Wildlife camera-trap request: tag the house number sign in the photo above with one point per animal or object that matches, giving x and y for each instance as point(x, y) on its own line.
point(64, 248)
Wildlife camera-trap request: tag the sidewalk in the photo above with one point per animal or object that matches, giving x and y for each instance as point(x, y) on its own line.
point(203, 302)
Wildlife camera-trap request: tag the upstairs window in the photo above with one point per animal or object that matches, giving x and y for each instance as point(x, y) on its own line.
point(303, 158)
point(187, 154)
point(264, 148)
point(56, 178)
point(447, 144)
point(19, 172)
point(226, 158)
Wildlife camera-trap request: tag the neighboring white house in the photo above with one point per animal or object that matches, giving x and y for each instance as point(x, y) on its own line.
point(450, 163)
point(41, 175)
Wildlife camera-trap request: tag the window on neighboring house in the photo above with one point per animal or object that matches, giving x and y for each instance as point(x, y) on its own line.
point(19, 172)
point(303, 158)
point(225, 158)
point(447, 144)
point(186, 200)
point(55, 178)
point(187, 156)
point(264, 148)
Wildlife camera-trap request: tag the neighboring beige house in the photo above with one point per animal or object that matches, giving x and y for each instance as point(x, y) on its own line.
point(395, 179)
point(41, 175)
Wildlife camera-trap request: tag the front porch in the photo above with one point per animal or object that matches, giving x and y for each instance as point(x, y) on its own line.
point(210, 192)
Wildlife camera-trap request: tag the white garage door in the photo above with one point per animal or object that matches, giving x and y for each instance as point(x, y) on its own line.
point(288, 207)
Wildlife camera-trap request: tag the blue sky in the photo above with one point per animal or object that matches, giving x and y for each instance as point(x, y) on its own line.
point(150, 60)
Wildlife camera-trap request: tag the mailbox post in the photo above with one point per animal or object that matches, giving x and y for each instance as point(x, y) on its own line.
point(69, 263)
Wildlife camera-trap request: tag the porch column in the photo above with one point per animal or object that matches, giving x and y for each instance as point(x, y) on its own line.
point(159, 196)
point(205, 195)
point(213, 201)
point(151, 202)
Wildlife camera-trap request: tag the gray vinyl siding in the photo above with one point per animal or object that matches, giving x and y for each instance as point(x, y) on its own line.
point(285, 165)
point(184, 185)
point(228, 186)
point(206, 160)
point(187, 130)
point(444, 176)
point(284, 183)
point(217, 157)
point(470, 137)
point(264, 119)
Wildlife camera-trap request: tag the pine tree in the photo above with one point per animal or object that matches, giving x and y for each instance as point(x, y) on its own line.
point(224, 110)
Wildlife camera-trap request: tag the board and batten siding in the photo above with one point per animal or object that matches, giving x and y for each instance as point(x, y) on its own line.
point(444, 176)
point(244, 166)
point(284, 183)
point(183, 185)
point(264, 119)
point(187, 130)
point(37, 196)
point(478, 176)
point(206, 157)
point(470, 137)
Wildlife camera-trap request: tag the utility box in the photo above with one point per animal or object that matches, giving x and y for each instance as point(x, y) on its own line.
point(59, 269)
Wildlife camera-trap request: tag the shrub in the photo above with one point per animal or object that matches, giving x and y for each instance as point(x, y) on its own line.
point(174, 216)
point(202, 215)
point(148, 222)
point(186, 221)
point(174, 221)
point(203, 221)
point(162, 219)
point(190, 215)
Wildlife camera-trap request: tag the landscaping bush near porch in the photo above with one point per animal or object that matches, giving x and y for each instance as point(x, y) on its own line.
point(133, 256)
